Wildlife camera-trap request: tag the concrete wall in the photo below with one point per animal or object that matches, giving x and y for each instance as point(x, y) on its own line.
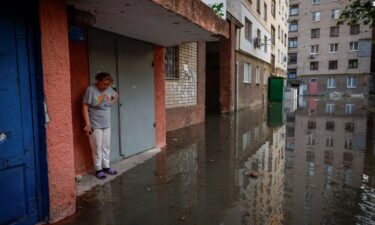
point(251, 94)
point(57, 90)
point(79, 70)
point(180, 117)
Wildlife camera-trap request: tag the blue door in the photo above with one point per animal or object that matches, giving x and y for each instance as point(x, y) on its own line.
point(18, 151)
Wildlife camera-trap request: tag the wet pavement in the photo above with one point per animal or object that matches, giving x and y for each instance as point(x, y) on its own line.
point(265, 166)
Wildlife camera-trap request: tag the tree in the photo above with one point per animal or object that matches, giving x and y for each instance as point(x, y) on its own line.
point(218, 8)
point(358, 11)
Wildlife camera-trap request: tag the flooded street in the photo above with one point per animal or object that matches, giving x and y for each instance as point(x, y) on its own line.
point(269, 165)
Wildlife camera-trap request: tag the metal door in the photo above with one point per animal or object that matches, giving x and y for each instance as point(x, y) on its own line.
point(102, 57)
point(136, 86)
point(18, 129)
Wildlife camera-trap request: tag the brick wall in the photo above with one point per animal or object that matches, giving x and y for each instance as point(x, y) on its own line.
point(183, 91)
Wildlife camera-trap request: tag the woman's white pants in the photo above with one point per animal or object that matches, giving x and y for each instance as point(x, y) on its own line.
point(100, 142)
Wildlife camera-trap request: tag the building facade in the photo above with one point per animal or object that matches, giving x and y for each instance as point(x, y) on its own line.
point(324, 56)
point(261, 50)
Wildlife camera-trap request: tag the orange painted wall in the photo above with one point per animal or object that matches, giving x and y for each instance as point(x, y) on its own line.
point(160, 114)
point(79, 70)
point(56, 78)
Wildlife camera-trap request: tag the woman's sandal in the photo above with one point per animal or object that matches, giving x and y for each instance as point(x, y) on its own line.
point(100, 174)
point(109, 171)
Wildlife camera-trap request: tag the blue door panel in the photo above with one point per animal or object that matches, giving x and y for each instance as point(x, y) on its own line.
point(18, 201)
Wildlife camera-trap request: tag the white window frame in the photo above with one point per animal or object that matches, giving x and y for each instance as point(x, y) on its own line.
point(311, 139)
point(257, 75)
point(315, 16)
point(314, 49)
point(335, 14)
point(331, 82)
point(315, 2)
point(265, 76)
point(350, 82)
point(330, 107)
point(352, 45)
point(349, 109)
point(334, 46)
point(348, 145)
point(248, 32)
point(294, 11)
point(329, 141)
point(247, 73)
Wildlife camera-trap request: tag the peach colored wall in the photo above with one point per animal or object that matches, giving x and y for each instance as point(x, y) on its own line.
point(56, 77)
point(79, 70)
point(160, 114)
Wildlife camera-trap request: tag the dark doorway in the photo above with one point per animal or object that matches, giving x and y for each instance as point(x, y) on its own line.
point(212, 77)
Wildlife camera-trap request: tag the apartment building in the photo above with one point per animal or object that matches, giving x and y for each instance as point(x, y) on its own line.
point(325, 57)
point(261, 49)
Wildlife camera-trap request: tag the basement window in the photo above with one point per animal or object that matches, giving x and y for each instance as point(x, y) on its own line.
point(171, 63)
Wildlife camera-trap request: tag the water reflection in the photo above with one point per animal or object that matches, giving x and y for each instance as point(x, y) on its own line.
point(302, 166)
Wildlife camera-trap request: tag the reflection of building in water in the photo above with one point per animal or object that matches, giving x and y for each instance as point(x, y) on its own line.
point(325, 144)
point(261, 192)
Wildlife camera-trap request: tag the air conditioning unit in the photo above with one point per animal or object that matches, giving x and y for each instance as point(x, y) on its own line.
point(257, 42)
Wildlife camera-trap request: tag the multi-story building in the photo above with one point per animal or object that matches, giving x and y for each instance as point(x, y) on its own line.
point(324, 56)
point(261, 49)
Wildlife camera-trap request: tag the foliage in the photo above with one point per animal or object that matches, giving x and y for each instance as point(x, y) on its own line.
point(358, 11)
point(217, 8)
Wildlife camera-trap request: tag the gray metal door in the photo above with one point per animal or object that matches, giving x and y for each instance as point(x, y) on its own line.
point(102, 57)
point(136, 86)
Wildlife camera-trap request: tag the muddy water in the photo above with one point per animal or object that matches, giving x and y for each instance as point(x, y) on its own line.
point(276, 164)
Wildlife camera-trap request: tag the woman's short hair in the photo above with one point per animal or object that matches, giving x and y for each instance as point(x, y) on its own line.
point(103, 76)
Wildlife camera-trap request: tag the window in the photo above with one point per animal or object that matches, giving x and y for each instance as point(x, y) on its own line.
point(311, 139)
point(330, 125)
point(315, 16)
point(348, 157)
point(315, 2)
point(311, 125)
point(353, 64)
point(351, 82)
point(315, 33)
point(273, 8)
point(349, 109)
point(248, 30)
point(258, 6)
point(285, 39)
point(348, 143)
point(349, 127)
point(353, 46)
point(332, 65)
point(292, 57)
point(265, 12)
point(265, 46)
point(314, 65)
point(293, 42)
point(293, 10)
point(282, 36)
point(334, 31)
point(257, 75)
point(335, 14)
point(331, 82)
point(273, 35)
point(171, 63)
point(314, 49)
point(329, 141)
point(292, 74)
point(330, 107)
point(246, 140)
point(278, 32)
point(293, 26)
point(247, 73)
point(333, 48)
point(354, 29)
point(265, 77)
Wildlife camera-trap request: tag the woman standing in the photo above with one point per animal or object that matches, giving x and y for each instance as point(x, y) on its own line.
point(96, 107)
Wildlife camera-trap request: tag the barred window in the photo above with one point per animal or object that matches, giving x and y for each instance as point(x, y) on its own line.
point(171, 62)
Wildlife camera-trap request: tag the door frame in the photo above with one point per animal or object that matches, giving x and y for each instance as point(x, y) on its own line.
point(38, 114)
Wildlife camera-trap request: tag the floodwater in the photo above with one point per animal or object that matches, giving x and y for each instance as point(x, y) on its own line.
point(271, 165)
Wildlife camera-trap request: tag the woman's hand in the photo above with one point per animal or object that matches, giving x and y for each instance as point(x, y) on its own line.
point(87, 128)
